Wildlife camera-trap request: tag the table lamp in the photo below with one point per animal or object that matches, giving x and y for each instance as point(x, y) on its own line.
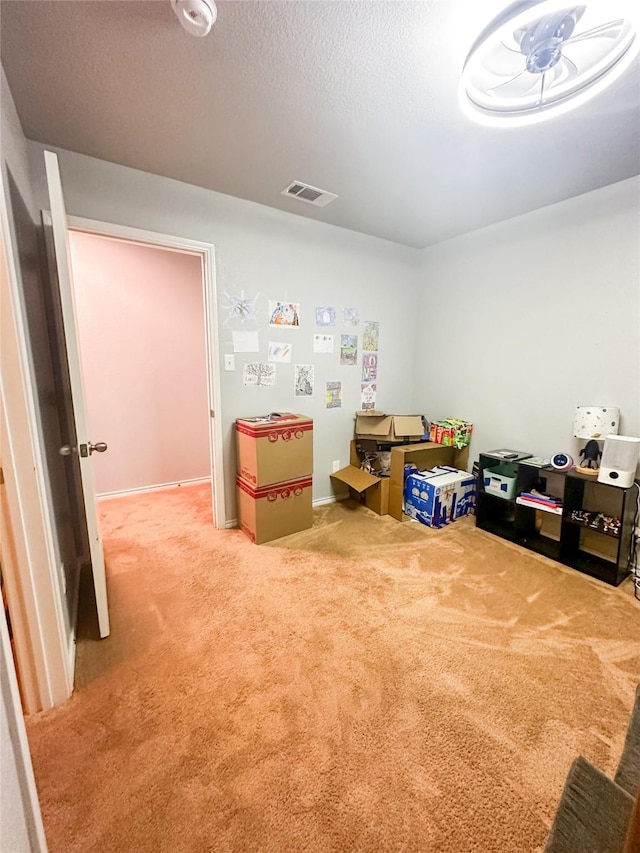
point(593, 423)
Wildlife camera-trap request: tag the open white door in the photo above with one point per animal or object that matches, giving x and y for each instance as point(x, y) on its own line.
point(85, 448)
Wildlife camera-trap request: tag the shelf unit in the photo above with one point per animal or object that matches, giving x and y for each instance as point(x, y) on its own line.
point(603, 554)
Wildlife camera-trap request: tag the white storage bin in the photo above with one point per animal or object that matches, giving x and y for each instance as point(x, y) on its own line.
point(501, 480)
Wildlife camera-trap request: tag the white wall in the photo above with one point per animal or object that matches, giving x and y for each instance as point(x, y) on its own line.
point(270, 255)
point(524, 320)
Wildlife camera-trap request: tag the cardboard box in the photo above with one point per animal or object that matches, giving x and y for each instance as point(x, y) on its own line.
point(270, 512)
point(440, 496)
point(367, 488)
point(387, 429)
point(274, 448)
point(372, 490)
point(422, 456)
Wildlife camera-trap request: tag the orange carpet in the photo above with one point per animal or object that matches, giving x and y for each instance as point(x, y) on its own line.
point(362, 686)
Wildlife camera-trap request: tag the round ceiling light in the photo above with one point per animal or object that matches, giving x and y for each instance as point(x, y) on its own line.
point(196, 16)
point(540, 58)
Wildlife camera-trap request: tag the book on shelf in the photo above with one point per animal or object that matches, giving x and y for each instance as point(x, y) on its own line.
point(537, 462)
point(540, 496)
point(544, 506)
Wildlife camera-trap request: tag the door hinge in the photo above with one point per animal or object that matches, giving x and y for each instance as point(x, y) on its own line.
point(1, 477)
point(212, 414)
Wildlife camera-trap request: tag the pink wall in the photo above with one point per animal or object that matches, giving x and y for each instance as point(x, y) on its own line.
point(142, 337)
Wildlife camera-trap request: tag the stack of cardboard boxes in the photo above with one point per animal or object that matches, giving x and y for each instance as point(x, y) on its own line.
point(274, 482)
point(403, 439)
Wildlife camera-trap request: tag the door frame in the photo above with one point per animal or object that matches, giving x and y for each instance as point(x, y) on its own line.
point(207, 254)
point(44, 653)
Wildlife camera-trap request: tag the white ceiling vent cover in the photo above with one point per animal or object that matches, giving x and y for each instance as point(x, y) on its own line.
point(312, 195)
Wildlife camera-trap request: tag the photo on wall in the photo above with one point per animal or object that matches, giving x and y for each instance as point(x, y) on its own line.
point(303, 380)
point(349, 350)
point(284, 314)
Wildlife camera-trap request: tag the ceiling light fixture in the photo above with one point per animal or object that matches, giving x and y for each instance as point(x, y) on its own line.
point(540, 58)
point(196, 16)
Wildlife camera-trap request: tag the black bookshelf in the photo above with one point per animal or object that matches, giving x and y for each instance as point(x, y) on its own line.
point(595, 545)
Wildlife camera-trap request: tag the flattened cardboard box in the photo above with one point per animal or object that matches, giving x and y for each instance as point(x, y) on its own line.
point(388, 428)
point(270, 512)
point(274, 448)
point(376, 489)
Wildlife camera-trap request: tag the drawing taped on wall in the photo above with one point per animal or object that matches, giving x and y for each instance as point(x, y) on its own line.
point(333, 395)
point(284, 314)
point(368, 394)
point(279, 352)
point(304, 380)
point(325, 316)
point(258, 373)
point(323, 343)
point(370, 336)
point(241, 309)
point(349, 350)
point(369, 366)
point(350, 316)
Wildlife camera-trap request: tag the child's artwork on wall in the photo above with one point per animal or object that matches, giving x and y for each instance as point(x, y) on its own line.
point(303, 380)
point(349, 349)
point(323, 343)
point(370, 336)
point(245, 341)
point(279, 352)
point(350, 316)
point(369, 366)
point(284, 314)
point(325, 316)
point(368, 392)
point(241, 308)
point(334, 395)
point(259, 373)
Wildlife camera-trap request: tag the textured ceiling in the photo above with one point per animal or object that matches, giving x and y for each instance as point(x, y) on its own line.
point(358, 98)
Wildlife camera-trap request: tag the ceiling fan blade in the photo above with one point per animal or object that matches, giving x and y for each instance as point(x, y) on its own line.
point(517, 87)
point(502, 61)
point(609, 30)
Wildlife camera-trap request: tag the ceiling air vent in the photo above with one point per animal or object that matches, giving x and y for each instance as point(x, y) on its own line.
point(312, 195)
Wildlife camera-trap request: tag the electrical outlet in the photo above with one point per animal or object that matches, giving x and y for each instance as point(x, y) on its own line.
point(229, 362)
point(336, 465)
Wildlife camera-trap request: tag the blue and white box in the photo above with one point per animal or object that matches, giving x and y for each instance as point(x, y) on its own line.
point(439, 496)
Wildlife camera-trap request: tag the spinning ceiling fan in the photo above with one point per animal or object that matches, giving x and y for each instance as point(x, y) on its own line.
point(539, 58)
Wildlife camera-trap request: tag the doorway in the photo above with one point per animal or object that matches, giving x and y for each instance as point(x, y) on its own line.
point(140, 315)
point(152, 448)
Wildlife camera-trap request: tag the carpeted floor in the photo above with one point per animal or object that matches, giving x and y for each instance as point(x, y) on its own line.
point(362, 686)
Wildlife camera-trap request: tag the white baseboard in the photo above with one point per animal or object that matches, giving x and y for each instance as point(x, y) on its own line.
point(332, 500)
point(233, 522)
point(156, 488)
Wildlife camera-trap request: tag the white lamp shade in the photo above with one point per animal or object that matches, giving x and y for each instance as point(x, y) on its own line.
point(595, 421)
